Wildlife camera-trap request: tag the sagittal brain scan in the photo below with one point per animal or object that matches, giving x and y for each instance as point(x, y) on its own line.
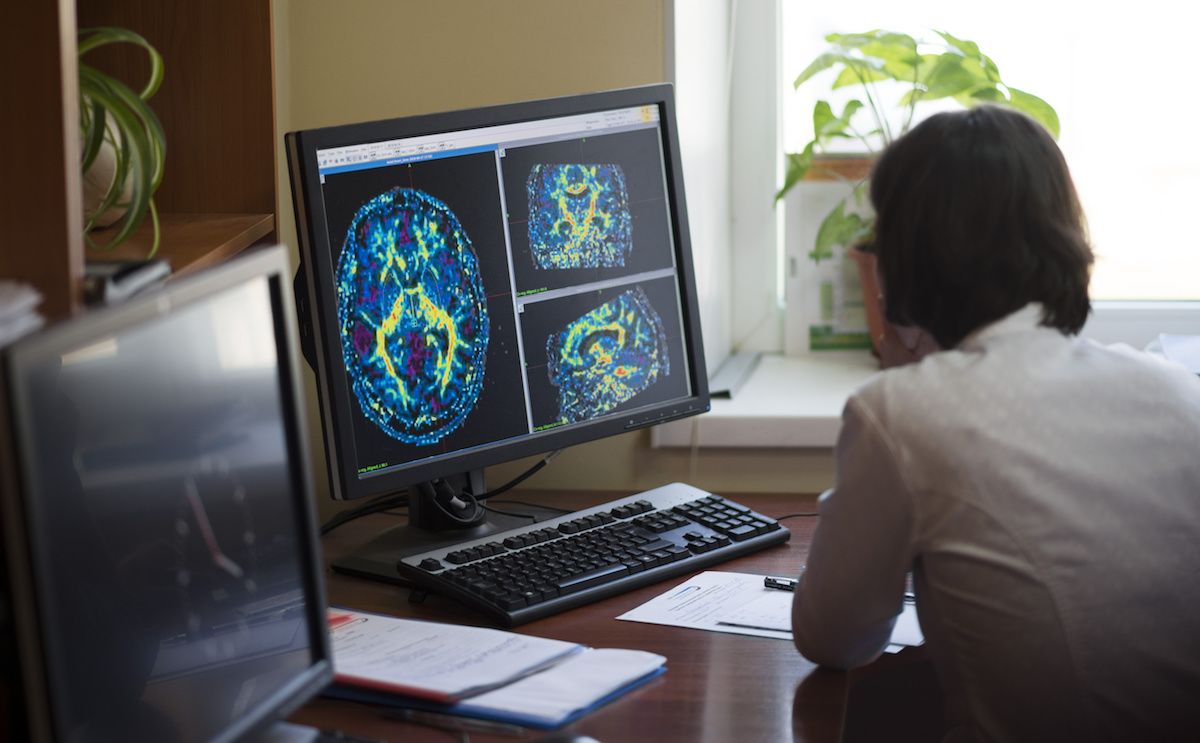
point(413, 316)
point(607, 356)
point(578, 216)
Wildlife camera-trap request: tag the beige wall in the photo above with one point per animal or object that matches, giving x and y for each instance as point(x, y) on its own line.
point(357, 60)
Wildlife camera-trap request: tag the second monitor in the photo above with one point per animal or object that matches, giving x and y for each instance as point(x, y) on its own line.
point(488, 284)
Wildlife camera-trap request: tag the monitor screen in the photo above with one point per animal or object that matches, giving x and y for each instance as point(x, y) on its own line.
point(161, 523)
point(493, 283)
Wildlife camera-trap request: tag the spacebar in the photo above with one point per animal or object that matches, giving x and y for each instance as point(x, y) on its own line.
point(592, 578)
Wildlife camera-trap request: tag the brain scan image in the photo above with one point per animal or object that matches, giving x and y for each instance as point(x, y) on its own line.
point(607, 356)
point(578, 216)
point(413, 316)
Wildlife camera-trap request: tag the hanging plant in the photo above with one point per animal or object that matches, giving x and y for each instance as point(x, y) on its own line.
point(123, 137)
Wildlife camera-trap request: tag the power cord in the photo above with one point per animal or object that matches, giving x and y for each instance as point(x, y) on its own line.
point(389, 501)
point(529, 516)
point(798, 516)
point(540, 506)
point(380, 503)
point(521, 477)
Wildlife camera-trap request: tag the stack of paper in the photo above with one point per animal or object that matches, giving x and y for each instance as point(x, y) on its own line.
point(18, 313)
point(476, 671)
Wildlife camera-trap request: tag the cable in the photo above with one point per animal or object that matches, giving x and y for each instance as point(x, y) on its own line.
point(519, 478)
point(489, 509)
point(797, 516)
point(536, 505)
point(389, 501)
point(380, 503)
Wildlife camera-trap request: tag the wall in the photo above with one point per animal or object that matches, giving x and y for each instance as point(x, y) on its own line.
point(358, 60)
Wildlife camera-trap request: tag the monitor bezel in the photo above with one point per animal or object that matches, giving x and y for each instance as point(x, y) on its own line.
point(26, 561)
point(319, 304)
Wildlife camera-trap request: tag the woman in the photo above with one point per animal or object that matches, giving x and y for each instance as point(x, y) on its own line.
point(1043, 490)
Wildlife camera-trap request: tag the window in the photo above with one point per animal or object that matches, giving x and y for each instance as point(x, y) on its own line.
point(1119, 84)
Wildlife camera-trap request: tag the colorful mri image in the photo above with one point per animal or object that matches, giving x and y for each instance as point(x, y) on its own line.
point(413, 316)
point(578, 216)
point(607, 356)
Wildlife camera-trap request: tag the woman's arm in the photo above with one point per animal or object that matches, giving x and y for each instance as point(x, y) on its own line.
point(853, 586)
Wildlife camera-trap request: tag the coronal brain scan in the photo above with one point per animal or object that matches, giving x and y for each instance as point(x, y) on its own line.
point(607, 356)
point(578, 216)
point(413, 316)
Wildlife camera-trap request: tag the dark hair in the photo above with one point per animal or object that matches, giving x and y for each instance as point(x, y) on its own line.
point(977, 217)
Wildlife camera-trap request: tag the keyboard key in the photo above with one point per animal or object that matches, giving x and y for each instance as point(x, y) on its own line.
point(592, 577)
point(745, 531)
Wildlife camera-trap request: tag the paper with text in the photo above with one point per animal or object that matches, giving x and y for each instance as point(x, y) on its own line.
point(433, 660)
point(704, 600)
point(739, 603)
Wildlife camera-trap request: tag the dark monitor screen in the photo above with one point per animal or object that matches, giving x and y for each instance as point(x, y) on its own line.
point(487, 284)
point(161, 546)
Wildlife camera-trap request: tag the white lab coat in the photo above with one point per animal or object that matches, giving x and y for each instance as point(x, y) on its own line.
point(1045, 492)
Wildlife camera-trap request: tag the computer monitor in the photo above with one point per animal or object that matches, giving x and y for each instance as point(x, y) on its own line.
point(162, 579)
point(487, 284)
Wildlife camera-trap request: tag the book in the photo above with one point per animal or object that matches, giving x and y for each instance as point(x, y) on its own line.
point(476, 671)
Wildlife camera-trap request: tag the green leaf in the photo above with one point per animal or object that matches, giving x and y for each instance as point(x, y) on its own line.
point(975, 69)
point(820, 64)
point(853, 41)
point(892, 47)
point(91, 38)
point(852, 106)
point(826, 125)
point(822, 116)
point(798, 165)
point(1036, 108)
point(968, 48)
point(993, 72)
point(987, 94)
point(856, 75)
point(947, 78)
point(839, 228)
point(93, 128)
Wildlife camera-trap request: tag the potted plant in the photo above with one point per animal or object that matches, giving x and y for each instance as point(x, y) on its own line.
point(123, 143)
point(873, 65)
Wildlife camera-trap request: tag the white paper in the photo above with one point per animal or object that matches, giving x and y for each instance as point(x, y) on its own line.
point(574, 684)
point(443, 659)
point(704, 600)
point(739, 603)
point(772, 610)
point(1182, 349)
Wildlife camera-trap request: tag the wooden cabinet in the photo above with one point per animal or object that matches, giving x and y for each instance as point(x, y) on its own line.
point(216, 104)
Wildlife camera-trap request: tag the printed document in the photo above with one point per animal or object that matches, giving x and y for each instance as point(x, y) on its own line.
point(433, 660)
point(740, 604)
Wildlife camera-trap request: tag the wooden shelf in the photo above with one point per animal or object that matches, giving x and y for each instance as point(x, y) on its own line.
point(191, 242)
point(217, 109)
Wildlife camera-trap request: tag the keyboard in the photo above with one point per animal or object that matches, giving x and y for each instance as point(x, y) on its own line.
point(533, 571)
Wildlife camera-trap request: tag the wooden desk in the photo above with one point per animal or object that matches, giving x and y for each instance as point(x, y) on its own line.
point(718, 687)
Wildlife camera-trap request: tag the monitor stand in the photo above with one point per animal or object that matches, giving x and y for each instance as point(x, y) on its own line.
point(434, 522)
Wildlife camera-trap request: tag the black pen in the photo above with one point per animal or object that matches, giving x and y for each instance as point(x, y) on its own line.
point(789, 584)
point(782, 584)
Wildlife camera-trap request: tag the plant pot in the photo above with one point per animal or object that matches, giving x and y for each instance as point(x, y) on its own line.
point(97, 181)
point(893, 345)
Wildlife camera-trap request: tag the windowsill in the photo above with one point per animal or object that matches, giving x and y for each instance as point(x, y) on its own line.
point(788, 401)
